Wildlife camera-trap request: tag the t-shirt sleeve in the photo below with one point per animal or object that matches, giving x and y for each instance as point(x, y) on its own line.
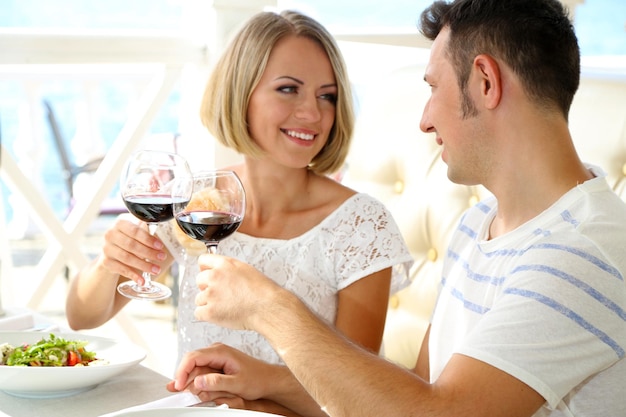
point(366, 239)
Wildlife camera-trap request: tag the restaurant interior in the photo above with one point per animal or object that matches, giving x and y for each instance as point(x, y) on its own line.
point(46, 236)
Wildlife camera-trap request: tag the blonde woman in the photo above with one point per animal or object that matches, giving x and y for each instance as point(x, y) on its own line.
point(279, 96)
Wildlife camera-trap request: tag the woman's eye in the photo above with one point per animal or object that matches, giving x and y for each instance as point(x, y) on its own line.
point(288, 89)
point(329, 97)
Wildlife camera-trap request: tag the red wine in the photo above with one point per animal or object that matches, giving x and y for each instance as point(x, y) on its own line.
point(208, 226)
point(151, 208)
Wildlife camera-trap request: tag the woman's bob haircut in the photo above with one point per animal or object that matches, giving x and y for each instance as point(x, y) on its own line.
point(237, 73)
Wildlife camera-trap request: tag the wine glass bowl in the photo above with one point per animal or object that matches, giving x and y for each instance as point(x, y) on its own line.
point(146, 188)
point(216, 208)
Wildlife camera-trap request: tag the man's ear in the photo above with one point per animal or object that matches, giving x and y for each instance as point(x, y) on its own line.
point(487, 71)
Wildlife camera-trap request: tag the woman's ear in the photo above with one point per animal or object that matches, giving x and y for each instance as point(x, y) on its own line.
point(487, 71)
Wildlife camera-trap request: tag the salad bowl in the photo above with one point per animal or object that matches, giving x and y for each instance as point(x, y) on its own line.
point(114, 357)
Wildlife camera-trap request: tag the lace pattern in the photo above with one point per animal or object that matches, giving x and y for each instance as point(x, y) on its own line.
point(359, 238)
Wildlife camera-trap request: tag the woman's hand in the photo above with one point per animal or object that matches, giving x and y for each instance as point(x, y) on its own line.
point(220, 371)
point(92, 298)
point(129, 250)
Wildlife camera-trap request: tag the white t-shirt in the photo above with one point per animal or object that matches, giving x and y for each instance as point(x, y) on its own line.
point(359, 238)
point(545, 303)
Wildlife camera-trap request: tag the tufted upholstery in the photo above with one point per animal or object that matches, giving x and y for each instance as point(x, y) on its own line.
point(394, 161)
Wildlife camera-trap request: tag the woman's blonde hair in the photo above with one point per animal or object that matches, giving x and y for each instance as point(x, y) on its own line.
point(237, 73)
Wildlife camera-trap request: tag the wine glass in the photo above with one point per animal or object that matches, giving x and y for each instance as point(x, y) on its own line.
point(216, 208)
point(145, 185)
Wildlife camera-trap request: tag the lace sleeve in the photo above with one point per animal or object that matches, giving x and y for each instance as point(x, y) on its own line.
point(364, 238)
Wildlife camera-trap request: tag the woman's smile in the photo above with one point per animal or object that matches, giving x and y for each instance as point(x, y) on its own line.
point(299, 136)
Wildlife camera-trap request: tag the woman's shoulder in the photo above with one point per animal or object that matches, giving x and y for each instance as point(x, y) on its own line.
point(331, 188)
point(340, 197)
point(360, 207)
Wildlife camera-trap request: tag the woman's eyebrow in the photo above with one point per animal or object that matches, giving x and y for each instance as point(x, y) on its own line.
point(290, 78)
point(296, 80)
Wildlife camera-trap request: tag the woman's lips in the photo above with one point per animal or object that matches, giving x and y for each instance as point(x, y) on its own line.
point(299, 135)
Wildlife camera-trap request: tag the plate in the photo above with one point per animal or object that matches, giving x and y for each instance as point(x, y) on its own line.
point(194, 412)
point(49, 382)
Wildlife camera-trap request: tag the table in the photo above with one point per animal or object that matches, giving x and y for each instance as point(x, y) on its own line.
point(138, 385)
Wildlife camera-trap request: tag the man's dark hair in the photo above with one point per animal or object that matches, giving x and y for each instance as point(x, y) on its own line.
point(535, 38)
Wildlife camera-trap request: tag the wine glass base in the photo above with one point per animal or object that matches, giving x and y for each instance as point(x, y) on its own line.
point(155, 292)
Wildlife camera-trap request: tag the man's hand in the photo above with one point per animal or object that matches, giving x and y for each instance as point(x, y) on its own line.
point(232, 292)
point(223, 371)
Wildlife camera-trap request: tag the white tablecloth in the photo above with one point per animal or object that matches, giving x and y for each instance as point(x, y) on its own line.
point(136, 386)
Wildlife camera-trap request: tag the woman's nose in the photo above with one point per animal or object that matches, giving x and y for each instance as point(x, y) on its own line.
point(308, 109)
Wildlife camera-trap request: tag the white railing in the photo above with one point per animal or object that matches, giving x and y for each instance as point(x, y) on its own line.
point(157, 62)
point(33, 55)
point(64, 237)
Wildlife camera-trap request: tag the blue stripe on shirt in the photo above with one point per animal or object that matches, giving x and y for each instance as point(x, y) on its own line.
point(474, 276)
point(587, 256)
point(595, 294)
point(476, 308)
point(560, 308)
point(497, 281)
point(569, 249)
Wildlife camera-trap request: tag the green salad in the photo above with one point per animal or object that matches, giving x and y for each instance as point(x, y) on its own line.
point(53, 351)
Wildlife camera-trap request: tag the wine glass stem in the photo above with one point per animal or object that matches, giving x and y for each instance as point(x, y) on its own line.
point(212, 248)
point(147, 277)
point(147, 280)
point(152, 228)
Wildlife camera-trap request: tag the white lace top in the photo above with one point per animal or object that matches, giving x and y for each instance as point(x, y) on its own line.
point(359, 238)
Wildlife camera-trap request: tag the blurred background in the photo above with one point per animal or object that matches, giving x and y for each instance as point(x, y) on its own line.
point(91, 112)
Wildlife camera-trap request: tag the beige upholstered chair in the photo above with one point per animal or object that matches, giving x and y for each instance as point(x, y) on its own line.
point(394, 161)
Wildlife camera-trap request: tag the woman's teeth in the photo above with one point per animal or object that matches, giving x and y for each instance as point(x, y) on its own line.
point(303, 136)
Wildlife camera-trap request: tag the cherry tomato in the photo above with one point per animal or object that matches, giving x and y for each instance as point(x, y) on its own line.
point(72, 358)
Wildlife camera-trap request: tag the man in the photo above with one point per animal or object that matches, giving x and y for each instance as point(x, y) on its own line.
point(531, 316)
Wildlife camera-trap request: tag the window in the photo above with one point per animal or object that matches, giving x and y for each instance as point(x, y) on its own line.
point(600, 24)
point(92, 14)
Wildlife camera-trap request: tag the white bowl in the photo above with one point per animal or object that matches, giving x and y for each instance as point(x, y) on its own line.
point(48, 382)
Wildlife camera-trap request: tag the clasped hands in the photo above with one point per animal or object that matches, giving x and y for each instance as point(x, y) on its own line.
point(224, 375)
point(231, 294)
